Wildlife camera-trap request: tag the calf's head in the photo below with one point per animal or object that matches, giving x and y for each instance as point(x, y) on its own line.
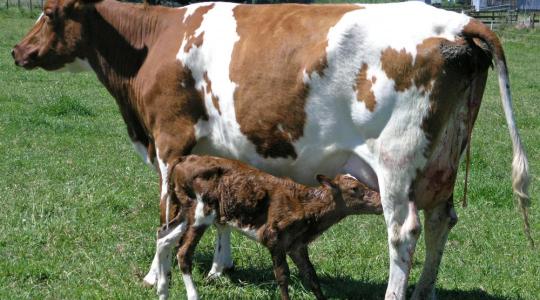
point(355, 196)
point(56, 39)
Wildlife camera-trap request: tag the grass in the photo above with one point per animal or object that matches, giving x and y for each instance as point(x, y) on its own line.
point(79, 208)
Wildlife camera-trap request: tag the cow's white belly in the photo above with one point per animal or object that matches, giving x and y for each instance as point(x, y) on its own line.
point(327, 157)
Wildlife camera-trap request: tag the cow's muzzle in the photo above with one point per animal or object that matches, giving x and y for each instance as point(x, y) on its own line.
point(25, 56)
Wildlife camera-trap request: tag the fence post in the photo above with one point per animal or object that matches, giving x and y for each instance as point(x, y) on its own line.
point(19, 4)
point(533, 20)
point(30, 5)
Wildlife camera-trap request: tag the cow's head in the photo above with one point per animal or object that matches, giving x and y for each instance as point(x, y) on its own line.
point(56, 39)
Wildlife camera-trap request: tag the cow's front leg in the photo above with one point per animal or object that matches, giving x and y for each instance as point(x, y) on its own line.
point(403, 227)
point(437, 223)
point(169, 149)
point(222, 252)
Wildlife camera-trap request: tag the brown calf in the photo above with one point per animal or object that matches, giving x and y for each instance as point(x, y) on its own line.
point(282, 215)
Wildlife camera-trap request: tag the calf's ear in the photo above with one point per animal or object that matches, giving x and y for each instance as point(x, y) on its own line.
point(325, 181)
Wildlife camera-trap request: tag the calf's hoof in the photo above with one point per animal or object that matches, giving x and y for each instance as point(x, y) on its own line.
point(150, 280)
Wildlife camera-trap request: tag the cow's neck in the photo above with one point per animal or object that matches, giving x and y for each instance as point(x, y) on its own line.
point(120, 35)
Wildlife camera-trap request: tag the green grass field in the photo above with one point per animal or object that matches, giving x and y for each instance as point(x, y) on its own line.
point(79, 209)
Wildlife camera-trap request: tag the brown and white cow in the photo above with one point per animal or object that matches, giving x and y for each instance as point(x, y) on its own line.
point(297, 90)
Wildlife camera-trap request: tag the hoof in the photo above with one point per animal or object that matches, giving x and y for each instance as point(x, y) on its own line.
point(213, 274)
point(150, 280)
point(211, 277)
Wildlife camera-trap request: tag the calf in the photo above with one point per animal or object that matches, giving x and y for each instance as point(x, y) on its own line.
point(282, 215)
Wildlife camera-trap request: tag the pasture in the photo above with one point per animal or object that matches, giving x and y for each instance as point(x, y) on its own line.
point(79, 208)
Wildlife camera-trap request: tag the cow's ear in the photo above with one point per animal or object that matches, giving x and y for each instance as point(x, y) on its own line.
point(325, 181)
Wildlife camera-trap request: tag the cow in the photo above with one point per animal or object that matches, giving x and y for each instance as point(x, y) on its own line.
point(297, 90)
point(279, 213)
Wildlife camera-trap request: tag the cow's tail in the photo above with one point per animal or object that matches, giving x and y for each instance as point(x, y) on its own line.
point(520, 165)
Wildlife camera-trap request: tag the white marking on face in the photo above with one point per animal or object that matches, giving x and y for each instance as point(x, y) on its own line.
point(200, 217)
point(39, 18)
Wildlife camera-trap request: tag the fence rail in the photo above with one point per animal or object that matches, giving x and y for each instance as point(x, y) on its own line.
point(24, 4)
point(496, 19)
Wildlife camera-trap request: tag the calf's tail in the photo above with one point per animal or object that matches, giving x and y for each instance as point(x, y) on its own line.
point(170, 190)
point(520, 165)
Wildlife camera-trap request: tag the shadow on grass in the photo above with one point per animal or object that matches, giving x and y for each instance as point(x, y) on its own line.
point(345, 287)
point(340, 287)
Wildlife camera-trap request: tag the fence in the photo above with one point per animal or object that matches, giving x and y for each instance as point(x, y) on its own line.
point(24, 4)
point(495, 19)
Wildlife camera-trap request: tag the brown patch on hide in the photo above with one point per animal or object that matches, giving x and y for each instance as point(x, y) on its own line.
point(192, 23)
point(428, 63)
point(215, 99)
point(268, 64)
point(363, 88)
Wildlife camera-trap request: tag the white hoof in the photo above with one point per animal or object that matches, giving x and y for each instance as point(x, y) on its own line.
point(150, 279)
point(213, 276)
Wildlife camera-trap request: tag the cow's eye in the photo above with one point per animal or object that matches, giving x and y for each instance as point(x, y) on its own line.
point(49, 13)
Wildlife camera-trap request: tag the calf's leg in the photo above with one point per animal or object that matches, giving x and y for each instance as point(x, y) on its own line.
point(300, 258)
point(437, 223)
point(185, 258)
point(222, 252)
point(166, 242)
point(281, 272)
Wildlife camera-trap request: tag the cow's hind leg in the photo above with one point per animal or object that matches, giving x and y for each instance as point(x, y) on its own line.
point(437, 223)
point(222, 252)
point(403, 227)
